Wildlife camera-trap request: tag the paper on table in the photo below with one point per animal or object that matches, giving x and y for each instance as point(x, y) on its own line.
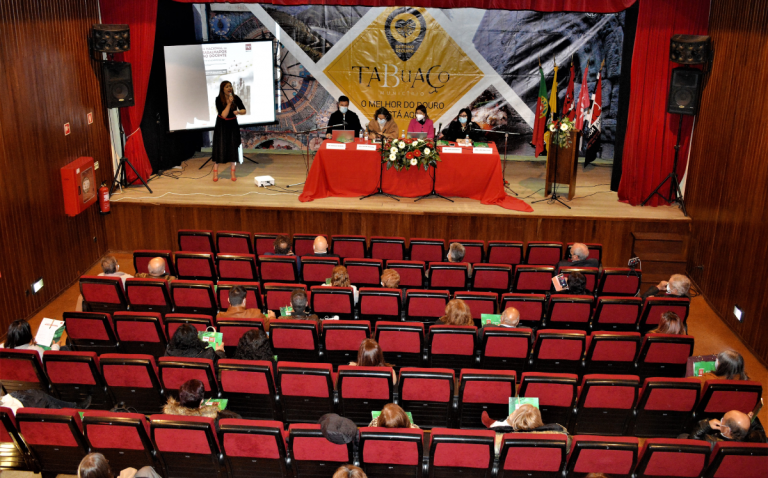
point(47, 330)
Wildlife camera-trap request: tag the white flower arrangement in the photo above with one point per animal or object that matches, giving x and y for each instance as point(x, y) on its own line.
point(426, 151)
point(392, 157)
point(564, 127)
point(401, 144)
point(393, 150)
point(552, 127)
point(414, 162)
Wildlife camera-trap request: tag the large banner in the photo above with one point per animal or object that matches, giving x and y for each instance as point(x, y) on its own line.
point(445, 59)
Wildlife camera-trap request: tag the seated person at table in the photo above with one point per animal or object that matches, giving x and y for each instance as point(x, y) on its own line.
point(347, 119)
point(421, 123)
point(237, 309)
point(462, 127)
point(382, 125)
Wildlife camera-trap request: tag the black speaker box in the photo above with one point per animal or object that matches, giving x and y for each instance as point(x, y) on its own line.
point(118, 84)
point(110, 38)
point(689, 49)
point(684, 91)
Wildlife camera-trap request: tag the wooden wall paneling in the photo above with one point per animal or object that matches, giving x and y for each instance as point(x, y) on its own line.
point(727, 184)
point(48, 79)
point(140, 226)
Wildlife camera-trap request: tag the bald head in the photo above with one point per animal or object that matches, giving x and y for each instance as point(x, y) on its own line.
point(156, 267)
point(579, 251)
point(320, 245)
point(735, 425)
point(510, 317)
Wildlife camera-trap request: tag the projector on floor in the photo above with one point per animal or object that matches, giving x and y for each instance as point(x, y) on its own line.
point(263, 181)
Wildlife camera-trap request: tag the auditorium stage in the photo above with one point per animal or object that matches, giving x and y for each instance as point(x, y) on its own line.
point(194, 201)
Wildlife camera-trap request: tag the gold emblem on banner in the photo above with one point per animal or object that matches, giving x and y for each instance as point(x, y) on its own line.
point(402, 59)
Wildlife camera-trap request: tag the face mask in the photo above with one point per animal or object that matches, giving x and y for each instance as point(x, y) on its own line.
point(462, 119)
point(382, 122)
point(420, 117)
point(343, 109)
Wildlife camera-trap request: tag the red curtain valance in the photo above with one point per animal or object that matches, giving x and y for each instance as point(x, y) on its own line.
point(594, 6)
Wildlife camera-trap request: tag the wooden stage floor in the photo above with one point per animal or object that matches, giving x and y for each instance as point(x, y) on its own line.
point(593, 198)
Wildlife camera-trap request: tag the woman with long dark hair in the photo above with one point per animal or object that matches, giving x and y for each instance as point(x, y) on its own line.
point(371, 355)
point(226, 133)
point(20, 337)
point(254, 345)
point(382, 125)
point(463, 127)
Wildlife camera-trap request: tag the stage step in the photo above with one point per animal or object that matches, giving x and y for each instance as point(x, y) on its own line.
point(661, 256)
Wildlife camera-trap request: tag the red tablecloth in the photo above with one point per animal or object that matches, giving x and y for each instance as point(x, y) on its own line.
point(352, 173)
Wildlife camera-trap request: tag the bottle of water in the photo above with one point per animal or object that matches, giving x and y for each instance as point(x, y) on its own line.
point(360, 135)
point(366, 135)
point(402, 135)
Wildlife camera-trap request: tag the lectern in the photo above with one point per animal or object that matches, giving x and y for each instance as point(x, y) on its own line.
point(561, 164)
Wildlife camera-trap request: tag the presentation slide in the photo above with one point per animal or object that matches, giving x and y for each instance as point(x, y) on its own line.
point(194, 73)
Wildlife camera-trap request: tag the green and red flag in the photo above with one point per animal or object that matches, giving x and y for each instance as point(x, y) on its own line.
point(542, 108)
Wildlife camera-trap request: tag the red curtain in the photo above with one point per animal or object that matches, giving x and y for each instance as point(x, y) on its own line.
point(649, 144)
point(140, 15)
point(594, 6)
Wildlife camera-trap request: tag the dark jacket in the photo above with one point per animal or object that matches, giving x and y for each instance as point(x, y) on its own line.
point(327, 254)
point(206, 353)
point(261, 351)
point(582, 263)
point(454, 132)
point(654, 291)
point(337, 117)
point(702, 431)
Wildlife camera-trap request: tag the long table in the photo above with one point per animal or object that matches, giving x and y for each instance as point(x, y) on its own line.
point(351, 172)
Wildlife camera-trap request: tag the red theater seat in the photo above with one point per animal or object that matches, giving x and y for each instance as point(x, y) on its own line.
point(54, 437)
point(611, 352)
point(306, 390)
point(505, 252)
point(237, 267)
point(479, 303)
point(504, 348)
point(194, 297)
point(294, 339)
point(378, 304)
point(312, 454)
point(188, 446)
point(465, 453)
point(617, 314)
point(133, 379)
point(662, 457)
point(363, 389)
point(148, 295)
point(198, 321)
point(595, 250)
point(591, 274)
point(721, 396)
point(569, 312)
point(665, 406)
point(447, 276)
point(738, 460)
point(556, 393)
point(279, 295)
point(605, 404)
point(141, 333)
point(123, 438)
point(264, 242)
point(333, 301)
point(196, 266)
point(102, 294)
point(75, 376)
point(655, 306)
point(341, 340)
point(474, 250)
point(364, 272)
point(452, 346)
point(614, 456)
point(533, 279)
point(91, 332)
point(426, 250)
point(411, 273)
point(388, 248)
point(175, 371)
point(194, 240)
point(250, 387)
point(664, 355)
point(619, 281)
point(393, 452)
point(543, 253)
point(253, 297)
point(353, 247)
point(538, 455)
point(484, 391)
point(142, 257)
point(253, 443)
point(279, 268)
point(22, 370)
point(428, 394)
point(303, 243)
point(232, 331)
point(558, 351)
point(425, 305)
point(491, 278)
point(530, 306)
point(234, 242)
point(14, 452)
point(315, 270)
point(401, 342)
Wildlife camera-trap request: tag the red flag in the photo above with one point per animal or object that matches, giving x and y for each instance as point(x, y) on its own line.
point(540, 125)
point(568, 109)
point(582, 107)
point(595, 121)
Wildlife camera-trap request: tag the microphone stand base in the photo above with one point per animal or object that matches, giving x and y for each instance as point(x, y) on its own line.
point(379, 192)
point(552, 199)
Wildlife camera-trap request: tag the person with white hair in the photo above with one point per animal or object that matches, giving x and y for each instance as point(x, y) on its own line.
point(578, 257)
point(677, 286)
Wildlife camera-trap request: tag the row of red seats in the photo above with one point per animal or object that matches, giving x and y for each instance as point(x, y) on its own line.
point(366, 272)
point(536, 310)
point(405, 344)
point(54, 441)
point(295, 392)
point(381, 247)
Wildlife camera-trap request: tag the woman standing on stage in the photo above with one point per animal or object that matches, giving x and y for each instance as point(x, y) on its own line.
point(421, 123)
point(226, 133)
point(382, 125)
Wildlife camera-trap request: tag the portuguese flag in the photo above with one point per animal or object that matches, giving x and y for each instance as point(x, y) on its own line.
point(542, 107)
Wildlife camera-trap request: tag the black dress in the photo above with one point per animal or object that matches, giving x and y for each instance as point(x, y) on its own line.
point(454, 132)
point(226, 133)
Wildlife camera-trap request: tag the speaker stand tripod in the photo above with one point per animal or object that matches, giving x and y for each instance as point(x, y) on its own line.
point(554, 197)
point(120, 180)
point(675, 193)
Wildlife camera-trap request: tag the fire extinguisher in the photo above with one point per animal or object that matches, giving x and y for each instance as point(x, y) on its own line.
point(104, 199)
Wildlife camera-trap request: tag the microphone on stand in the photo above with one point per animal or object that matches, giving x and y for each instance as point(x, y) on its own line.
point(439, 130)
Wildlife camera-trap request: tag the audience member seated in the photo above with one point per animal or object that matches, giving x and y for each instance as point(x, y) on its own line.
point(34, 398)
point(734, 426)
point(348, 471)
point(390, 279)
point(20, 337)
point(509, 318)
point(526, 419)
point(109, 268)
point(370, 355)
point(156, 268)
point(283, 248)
point(677, 286)
point(237, 309)
point(95, 465)
point(729, 365)
point(456, 313)
point(456, 254)
point(576, 284)
point(340, 278)
point(579, 258)
point(670, 323)
point(186, 343)
point(299, 306)
point(392, 416)
point(320, 247)
point(254, 345)
point(190, 403)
